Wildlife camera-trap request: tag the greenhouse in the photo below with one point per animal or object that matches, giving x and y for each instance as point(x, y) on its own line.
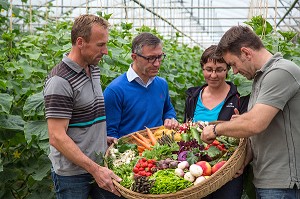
point(199, 22)
point(36, 40)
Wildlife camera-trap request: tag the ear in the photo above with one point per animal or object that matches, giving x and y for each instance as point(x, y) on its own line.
point(133, 56)
point(246, 52)
point(79, 42)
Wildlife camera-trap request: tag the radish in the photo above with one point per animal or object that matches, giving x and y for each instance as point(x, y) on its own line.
point(188, 176)
point(179, 172)
point(196, 170)
point(183, 165)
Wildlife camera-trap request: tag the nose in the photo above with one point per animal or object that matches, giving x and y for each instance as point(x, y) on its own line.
point(105, 50)
point(213, 74)
point(156, 63)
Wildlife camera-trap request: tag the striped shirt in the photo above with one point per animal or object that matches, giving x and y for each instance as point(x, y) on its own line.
point(70, 94)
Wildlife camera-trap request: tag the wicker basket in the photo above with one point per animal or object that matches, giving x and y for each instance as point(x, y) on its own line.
point(214, 182)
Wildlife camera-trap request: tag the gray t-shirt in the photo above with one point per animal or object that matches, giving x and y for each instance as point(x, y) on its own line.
point(70, 93)
point(276, 161)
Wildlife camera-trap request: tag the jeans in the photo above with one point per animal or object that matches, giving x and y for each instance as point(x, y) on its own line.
point(79, 187)
point(277, 193)
point(231, 190)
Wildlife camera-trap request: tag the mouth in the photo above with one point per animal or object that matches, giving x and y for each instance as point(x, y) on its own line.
point(154, 71)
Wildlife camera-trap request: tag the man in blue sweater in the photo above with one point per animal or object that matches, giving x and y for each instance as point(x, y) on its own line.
point(140, 98)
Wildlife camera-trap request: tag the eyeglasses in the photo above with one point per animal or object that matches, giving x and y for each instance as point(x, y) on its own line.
point(152, 59)
point(217, 70)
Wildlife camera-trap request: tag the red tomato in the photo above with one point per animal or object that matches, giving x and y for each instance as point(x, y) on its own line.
point(138, 165)
point(135, 170)
point(143, 173)
point(215, 143)
point(150, 165)
point(152, 161)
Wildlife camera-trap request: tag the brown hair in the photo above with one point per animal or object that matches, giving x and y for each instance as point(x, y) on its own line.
point(236, 38)
point(144, 39)
point(209, 54)
point(83, 24)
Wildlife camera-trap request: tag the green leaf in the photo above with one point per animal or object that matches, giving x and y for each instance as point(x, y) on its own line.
point(11, 122)
point(34, 105)
point(191, 158)
point(5, 102)
point(214, 152)
point(43, 169)
point(3, 84)
point(9, 174)
point(4, 5)
point(123, 146)
point(33, 56)
point(36, 128)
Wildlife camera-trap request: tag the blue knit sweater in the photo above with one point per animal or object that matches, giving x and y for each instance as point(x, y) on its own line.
point(130, 107)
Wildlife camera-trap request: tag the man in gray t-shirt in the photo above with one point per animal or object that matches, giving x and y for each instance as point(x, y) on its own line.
point(272, 121)
point(75, 113)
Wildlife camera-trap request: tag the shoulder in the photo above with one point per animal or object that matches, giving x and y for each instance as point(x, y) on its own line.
point(288, 66)
point(59, 75)
point(194, 90)
point(61, 69)
point(117, 82)
point(233, 88)
point(160, 79)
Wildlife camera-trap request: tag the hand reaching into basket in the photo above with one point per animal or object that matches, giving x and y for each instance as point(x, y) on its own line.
point(208, 135)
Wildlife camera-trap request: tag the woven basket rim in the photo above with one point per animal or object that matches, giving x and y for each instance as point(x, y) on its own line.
point(211, 184)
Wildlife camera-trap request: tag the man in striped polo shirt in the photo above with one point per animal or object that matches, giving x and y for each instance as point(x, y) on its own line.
point(75, 114)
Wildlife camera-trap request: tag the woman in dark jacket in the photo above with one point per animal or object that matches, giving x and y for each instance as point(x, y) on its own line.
point(216, 100)
point(232, 100)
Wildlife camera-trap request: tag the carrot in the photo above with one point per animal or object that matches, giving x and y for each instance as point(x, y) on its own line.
point(141, 148)
point(146, 145)
point(151, 136)
point(142, 137)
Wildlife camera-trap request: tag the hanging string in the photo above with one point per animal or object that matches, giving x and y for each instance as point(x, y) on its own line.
point(11, 15)
point(30, 17)
point(275, 16)
point(46, 16)
point(86, 7)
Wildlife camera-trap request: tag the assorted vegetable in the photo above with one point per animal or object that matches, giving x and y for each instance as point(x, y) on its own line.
point(159, 163)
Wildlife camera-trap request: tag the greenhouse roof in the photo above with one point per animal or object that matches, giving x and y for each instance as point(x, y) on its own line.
point(200, 22)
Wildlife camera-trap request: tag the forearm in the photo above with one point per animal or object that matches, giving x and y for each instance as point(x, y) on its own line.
point(248, 124)
point(239, 128)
